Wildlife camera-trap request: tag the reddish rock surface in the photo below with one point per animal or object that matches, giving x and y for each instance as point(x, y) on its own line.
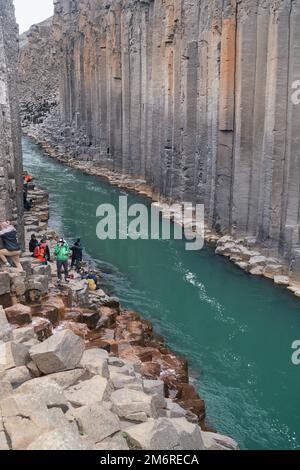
point(18, 314)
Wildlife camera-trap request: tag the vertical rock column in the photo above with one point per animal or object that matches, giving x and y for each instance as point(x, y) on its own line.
point(11, 187)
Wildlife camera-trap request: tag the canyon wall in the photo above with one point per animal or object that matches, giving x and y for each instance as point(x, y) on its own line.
point(11, 186)
point(195, 98)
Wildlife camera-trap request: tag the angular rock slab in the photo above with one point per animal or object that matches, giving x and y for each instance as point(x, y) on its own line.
point(89, 392)
point(19, 314)
point(128, 402)
point(95, 361)
point(13, 355)
point(6, 330)
point(213, 441)
point(166, 434)
point(62, 351)
point(65, 439)
point(96, 421)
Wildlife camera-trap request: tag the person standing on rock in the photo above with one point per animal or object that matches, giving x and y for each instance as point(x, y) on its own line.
point(62, 252)
point(76, 255)
point(11, 247)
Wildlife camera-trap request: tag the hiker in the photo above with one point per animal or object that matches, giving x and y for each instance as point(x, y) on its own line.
point(42, 252)
point(11, 247)
point(33, 244)
point(62, 252)
point(76, 255)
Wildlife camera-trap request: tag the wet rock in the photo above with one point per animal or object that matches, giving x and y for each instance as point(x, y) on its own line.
point(16, 376)
point(13, 355)
point(60, 352)
point(4, 283)
point(127, 402)
point(18, 314)
point(65, 439)
point(96, 389)
point(214, 441)
point(95, 361)
point(96, 421)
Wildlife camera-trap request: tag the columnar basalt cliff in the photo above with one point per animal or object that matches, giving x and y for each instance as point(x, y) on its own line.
point(38, 73)
point(11, 202)
point(195, 98)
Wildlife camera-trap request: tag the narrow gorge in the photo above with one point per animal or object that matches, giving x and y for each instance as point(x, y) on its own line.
point(146, 345)
point(193, 98)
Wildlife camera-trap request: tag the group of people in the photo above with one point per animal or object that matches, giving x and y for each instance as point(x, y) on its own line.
point(40, 250)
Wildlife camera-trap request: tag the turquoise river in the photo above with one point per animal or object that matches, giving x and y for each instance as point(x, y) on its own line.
point(235, 330)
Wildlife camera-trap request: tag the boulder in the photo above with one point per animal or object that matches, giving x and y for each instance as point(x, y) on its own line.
point(90, 319)
point(4, 283)
point(214, 441)
point(281, 280)
point(95, 361)
point(189, 434)
point(117, 442)
point(89, 391)
point(47, 391)
point(40, 283)
point(127, 402)
point(25, 418)
point(68, 378)
point(273, 269)
point(22, 335)
point(122, 380)
point(13, 355)
point(43, 271)
point(157, 389)
point(17, 284)
point(96, 421)
point(165, 434)
point(42, 328)
point(6, 330)
point(64, 439)
point(16, 376)
point(19, 314)
point(60, 352)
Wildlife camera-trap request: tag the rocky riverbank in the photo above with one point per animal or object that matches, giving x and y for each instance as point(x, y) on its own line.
point(244, 252)
point(77, 371)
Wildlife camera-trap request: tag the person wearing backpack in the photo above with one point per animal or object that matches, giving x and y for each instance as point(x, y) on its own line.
point(62, 252)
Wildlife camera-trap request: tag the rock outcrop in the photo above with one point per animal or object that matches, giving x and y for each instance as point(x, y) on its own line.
point(195, 98)
point(11, 187)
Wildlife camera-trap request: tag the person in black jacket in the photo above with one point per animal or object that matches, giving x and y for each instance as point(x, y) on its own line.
point(33, 244)
point(8, 235)
point(76, 255)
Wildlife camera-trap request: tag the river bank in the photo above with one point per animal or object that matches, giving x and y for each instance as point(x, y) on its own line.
point(119, 346)
point(245, 253)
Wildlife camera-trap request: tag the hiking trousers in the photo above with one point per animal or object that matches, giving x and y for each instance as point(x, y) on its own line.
point(62, 265)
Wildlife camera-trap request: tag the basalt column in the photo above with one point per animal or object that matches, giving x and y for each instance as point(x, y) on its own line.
point(193, 97)
point(11, 188)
